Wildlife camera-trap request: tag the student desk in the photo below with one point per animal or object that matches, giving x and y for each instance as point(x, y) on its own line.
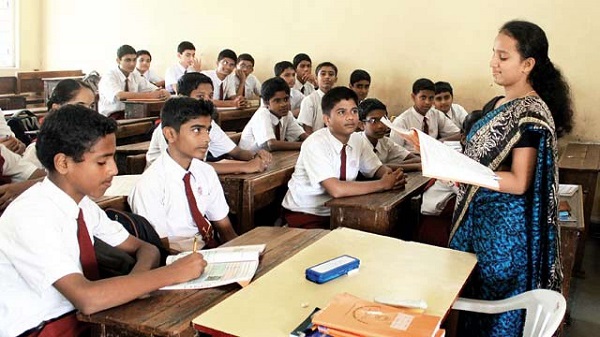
point(139, 108)
point(134, 130)
point(170, 312)
point(570, 237)
point(124, 151)
point(13, 101)
point(579, 164)
point(232, 119)
point(376, 212)
point(51, 82)
point(38, 111)
point(245, 193)
point(277, 302)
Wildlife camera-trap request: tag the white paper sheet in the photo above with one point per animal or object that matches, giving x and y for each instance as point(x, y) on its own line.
point(122, 185)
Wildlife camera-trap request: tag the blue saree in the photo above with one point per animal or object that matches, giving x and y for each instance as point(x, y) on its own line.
point(515, 237)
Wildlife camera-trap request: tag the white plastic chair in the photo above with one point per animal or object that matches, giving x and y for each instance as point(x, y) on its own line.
point(545, 310)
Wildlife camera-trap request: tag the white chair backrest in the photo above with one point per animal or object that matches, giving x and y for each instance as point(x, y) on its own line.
point(545, 310)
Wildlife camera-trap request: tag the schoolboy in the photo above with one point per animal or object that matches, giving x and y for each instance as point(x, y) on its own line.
point(242, 81)
point(199, 86)
point(305, 80)
point(8, 139)
point(16, 176)
point(47, 258)
point(179, 194)
point(311, 113)
point(360, 82)
point(329, 162)
point(121, 83)
point(371, 111)
point(188, 62)
point(273, 127)
point(225, 65)
point(285, 70)
point(142, 67)
point(423, 116)
point(443, 101)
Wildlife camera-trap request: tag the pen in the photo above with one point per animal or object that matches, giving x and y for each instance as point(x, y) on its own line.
point(195, 243)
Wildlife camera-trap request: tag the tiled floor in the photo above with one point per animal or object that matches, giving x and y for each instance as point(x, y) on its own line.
point(585, 295)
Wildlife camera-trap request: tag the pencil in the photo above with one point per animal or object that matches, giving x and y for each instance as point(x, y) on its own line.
point(195, 243)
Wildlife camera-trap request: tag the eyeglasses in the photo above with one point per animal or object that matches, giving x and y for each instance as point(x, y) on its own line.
point(372, 120)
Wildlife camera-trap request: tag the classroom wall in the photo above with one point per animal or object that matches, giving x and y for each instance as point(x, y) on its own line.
point(30, 37)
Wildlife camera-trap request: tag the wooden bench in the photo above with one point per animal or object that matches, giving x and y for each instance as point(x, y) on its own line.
point(234, 119)
point(51, 82)
point(31, 83)
point(134, 130)
point(143, 108)
point(8, 94)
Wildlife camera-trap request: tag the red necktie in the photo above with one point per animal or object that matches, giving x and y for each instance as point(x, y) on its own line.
point(278, 131)
point(87, 255)
point(343, 164)
point(221, 92)
point(126, 84)
point(425, 126)
point(204, 227)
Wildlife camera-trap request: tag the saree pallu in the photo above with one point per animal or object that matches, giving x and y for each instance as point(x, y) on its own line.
point(515, 237)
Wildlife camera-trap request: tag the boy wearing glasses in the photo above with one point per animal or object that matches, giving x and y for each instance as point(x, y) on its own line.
point(225, 66)
point(242, 82)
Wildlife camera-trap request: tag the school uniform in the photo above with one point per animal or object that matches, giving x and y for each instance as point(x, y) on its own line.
point(251, 88)
point(5, 130)
point(306, 89)
point(296, 98)
point(319, 160)
point(387, 151)
point(457, 114)
point(160, 196)
point(37, 248)
point(30, 155)
point(173, 74)
point(262, 126)
point(150, 75)
point(438, 124)
point(112, 83)
point(14, 167)
point(219, 143)
point(311, 113)
point(220, 87)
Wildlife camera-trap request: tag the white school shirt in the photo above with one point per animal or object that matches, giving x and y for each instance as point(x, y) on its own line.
point(311, 113)
point(160, 196)
point(5, 130)
point(30, 155)
point(150, 75)
point(261, 128)
point(39, 247)
point(457, 114)
point(387, 151)
point(309, 88)
point(15, 167)
point(296, 98)
point(251, 89)
point(320, 160)
point(112, 83)
point(173, 74)
point(219, 143)
point(440, 126)
point(217, 83)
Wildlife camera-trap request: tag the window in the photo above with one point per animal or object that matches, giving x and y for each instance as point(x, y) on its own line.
point(8, 32)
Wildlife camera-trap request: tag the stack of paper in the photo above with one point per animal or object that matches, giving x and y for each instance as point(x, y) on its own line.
point(566, 190)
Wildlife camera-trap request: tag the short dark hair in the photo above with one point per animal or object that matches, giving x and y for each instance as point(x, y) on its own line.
point(334, 96)
point(326, 64)
point(299, 58)
point(422, 84)
point(185, 45)
point(179, 110)
point(272, 86)
point(190, 81)
point(245, 57)
point(65, 90)
point(227, 53)
point(72, 130)
point(359, 75)
point(125, 50)
point(280, 67)
point(143, 52)
point(441, 87)
point(368, 105)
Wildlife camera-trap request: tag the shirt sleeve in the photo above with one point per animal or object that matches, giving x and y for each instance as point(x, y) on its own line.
point(446, 126)
point(146, 198)
point(220, 143)
point(395, 136)
point(5, 130)
point(293, 130)
point(257, 86)
point(319, 163)
point(170, 78)
point(307, 112)
point(231, 84)
point(144, 84)
point(15, 166)
point(153, 77)
point(369, 163)
point(156, 145)
point(107, 230)
point(396, 153)
point(218, 209)
point(262, 129)
point(109, 87)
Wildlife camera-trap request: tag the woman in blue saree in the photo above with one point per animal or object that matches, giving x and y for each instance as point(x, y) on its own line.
point(513, 231)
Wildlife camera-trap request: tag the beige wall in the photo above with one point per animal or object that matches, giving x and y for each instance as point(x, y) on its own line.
point(29, 39)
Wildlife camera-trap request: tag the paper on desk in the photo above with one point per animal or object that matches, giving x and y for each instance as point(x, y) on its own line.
point(442, 162)
point(225, 265)
point(122, 185)
point(567, 190)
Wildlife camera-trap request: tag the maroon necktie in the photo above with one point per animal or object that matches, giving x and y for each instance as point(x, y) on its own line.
point(126, 84)
point(204, 227)
point(221, 92)
point(425, 126)
point(87, 255)
point(343, 163)
point(278, 130)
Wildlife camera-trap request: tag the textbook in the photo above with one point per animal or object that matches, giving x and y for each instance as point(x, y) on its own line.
point(567, 190)
point(224, 266)
point(348, 315)
point(443, 162)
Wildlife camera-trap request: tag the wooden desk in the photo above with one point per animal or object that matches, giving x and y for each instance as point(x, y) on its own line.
point(12, 101)
point(273, 304)
point(143, 108)
point(170, 312)
point(234, 119)
point(378, 213)
point(570, 236)
point(38, 111)
point(124, 151)
point(134, 130)
point(245, 193)
point(579, 165)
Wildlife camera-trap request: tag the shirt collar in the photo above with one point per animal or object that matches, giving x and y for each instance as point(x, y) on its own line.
point(61, 199)
point(170, 165)
point(337, 145)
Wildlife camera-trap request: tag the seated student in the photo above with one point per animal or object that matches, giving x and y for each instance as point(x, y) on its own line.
point(68, 91)
point(443, 101)
point(273, 127)
point(371, 110)
point(225, 65)
point(7, 137)
point(47, 260)
point(250, 85)
point(16, 176)
point(179, 194)
point(285, 70)
point(143, 68)
point(424, 117)
point(360, 82)
point(311, 113)
point(121, 83)
point(199, 86)
point(329, 162)
point(305, 80)
point(186, 53)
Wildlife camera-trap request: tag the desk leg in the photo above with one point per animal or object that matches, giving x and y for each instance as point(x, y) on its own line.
point(246, 218)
